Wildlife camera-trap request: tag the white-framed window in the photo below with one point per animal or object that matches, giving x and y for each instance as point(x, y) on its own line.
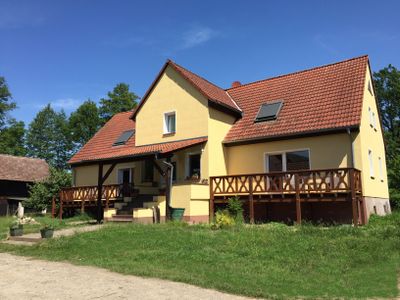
point(193, 165)
point(380, 168)
point(371, 164)
point(125, 175)
point(287, 161)
point(372, 118)
point(170, 122)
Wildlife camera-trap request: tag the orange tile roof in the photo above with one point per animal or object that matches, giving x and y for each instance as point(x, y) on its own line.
point(209, 90)
point(319, 99)
point(316, 100)
point(25, 169)
point(100, 147)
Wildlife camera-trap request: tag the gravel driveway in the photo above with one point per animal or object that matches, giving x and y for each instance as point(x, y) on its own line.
point(27, 278)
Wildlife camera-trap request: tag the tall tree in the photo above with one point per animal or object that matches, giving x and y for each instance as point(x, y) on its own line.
point(6, 103)
point(12, 138)
point(49, 137)
point(387, 87)
point(12, 133)
point(119, 100)
point(84, 123)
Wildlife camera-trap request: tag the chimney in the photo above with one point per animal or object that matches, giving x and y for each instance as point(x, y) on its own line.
point(236, 84)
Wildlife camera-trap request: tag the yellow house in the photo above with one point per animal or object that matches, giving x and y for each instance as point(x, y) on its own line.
point(306, 145)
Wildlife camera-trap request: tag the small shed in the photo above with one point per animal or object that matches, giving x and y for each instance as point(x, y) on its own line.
point(17, 174)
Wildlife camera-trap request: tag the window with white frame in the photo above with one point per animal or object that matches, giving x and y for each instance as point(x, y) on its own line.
point(169, 122)
point(370, 117)
point(371, 164)
point(380, 168)
point(288, 161)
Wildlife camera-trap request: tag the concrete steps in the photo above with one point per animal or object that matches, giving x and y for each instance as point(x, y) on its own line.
point(121, 218)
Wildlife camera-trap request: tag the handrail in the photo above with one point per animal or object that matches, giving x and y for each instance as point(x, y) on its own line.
point(309, 181)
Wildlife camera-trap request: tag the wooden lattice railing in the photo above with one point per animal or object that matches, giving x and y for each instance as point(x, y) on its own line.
point(87, 195)
point(308, 181)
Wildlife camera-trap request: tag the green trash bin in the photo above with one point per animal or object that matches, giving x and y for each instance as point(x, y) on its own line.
point(177, 214)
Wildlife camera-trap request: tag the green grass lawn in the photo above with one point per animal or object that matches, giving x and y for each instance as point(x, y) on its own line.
point(272, 261)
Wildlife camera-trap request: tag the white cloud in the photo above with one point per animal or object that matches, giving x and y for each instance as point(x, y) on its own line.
point(198, 36)
point(67, 104)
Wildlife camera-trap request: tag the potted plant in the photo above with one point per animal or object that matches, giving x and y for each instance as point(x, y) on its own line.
point(47, 231)
point(16, 229)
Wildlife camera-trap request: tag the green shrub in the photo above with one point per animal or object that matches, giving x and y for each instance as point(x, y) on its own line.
point(224, 219)
point(235, 209)
point(41, 193)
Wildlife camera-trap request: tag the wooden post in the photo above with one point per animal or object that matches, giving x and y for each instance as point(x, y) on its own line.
point(168, 193)
point(107, 198)
point(251, 200)
point(298, 200)
point(82, 205)
point(61, 207)
point(353, 197)
point(211, 205)
point(99, 193)
point(53, 207)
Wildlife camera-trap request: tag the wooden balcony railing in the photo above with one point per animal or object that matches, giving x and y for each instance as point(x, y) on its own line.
point(308, 181)
point(297, 185)
point(85, 196)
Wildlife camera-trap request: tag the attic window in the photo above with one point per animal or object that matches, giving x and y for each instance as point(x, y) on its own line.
point(124, 137)
point(269, 111)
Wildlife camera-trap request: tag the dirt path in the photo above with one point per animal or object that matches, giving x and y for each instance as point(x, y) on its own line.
point(27, 278)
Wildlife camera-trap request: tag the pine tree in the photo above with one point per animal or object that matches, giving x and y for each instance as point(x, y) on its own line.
point(119, 100)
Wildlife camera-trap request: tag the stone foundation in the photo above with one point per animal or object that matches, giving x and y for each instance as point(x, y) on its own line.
point(379, 206)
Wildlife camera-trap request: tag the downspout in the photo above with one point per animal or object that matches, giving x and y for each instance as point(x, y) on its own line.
point(169, 187)
point(352, 147)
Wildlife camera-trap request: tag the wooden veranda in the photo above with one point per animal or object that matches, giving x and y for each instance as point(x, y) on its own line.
point(298, 187)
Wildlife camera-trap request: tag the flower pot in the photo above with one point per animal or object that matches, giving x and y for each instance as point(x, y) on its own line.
point(16, 231)
point(46, 233)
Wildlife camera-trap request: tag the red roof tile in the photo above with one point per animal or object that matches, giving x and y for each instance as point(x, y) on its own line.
point(209, 90)
point(100, 147)
point(22, 168)
point(318, 99)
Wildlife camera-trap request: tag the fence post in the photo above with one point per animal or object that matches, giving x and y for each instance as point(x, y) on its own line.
point(211, 204)
point(298, 202)
point(251, 200)
point(61, 206)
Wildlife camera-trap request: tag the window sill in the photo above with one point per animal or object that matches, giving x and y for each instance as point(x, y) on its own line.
point(168, 134)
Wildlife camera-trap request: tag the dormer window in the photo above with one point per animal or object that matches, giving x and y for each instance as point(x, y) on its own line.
point(124, 137)
point(269, 111)
point(170, 122)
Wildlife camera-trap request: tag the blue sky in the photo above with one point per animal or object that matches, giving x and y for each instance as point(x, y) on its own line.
point(64, 52)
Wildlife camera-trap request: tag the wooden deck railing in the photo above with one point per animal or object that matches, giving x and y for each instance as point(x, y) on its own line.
point(85, 196)
point(309, 181)
point(296, 184)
